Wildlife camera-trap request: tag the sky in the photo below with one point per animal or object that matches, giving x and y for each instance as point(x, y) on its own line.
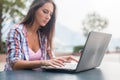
point(71, 13)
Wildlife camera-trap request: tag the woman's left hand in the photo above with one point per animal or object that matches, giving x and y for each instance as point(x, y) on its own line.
point(67, 58)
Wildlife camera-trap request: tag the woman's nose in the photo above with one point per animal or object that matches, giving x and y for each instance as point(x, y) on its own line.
point(48, 17)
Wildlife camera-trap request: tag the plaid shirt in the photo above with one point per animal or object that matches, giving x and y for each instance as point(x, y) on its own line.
point(17, 46)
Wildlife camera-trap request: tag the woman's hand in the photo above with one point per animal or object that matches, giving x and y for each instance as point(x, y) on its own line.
point(67, 58)
point(53, 62)
point(59, 61)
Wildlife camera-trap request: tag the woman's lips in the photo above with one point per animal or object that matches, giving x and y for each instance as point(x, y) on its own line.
point(45, 21)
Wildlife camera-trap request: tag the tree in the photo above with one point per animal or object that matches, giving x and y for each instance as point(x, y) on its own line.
point(93, 22)
point(10, 9)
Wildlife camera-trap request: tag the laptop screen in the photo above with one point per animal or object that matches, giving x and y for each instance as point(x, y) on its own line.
point(94, 50)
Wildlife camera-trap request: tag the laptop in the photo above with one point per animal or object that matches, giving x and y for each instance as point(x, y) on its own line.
point(91, 56)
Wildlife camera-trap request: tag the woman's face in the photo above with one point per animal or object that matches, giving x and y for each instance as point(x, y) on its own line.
point(43, 14)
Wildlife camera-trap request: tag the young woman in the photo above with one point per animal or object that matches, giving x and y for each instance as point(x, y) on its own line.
point(29, 44)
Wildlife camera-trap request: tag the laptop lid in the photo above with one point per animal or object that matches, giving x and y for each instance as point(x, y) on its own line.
point(93, 51)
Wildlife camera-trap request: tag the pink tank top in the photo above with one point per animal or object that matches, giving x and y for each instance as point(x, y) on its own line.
point(33, 55)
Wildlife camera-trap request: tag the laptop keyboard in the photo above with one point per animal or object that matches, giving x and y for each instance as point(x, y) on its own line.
point(71, 65)
point(68, 66)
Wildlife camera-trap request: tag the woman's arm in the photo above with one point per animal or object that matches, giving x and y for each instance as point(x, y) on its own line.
point(22, 64)
point(58, 61)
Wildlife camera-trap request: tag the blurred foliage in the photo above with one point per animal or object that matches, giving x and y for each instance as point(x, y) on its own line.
point(3, 51)
point(78, 48)
point(13, 8)
point(10, 9)
point(93, 22)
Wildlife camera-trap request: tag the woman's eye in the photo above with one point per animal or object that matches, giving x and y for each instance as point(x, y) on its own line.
point(45, 11)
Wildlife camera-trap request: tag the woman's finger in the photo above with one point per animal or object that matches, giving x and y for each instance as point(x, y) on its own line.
point(52, 63)
point(73, 58)
point(62, 59)
point(56, 64)
point(59, 61)
point(70, 58)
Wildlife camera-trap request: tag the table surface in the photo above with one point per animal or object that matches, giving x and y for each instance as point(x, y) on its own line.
point(106, 71)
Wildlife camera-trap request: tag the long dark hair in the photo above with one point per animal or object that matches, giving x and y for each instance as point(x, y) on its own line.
point(49, 29)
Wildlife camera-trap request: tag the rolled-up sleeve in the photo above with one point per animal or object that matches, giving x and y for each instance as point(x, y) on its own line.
point(14, 52)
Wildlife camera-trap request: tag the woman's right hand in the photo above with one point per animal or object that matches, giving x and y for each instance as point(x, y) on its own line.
point(53, 62)
point(59, 61)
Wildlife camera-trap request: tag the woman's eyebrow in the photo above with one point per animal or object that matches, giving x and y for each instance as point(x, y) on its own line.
point(51, 12)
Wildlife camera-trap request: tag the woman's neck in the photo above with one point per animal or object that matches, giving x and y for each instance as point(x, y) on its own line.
point(32, 28)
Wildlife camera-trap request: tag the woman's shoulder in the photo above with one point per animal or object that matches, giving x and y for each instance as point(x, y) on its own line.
point(16, 29)
point(17, 26)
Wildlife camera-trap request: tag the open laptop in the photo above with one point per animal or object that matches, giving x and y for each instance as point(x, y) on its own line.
point(91, 56)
